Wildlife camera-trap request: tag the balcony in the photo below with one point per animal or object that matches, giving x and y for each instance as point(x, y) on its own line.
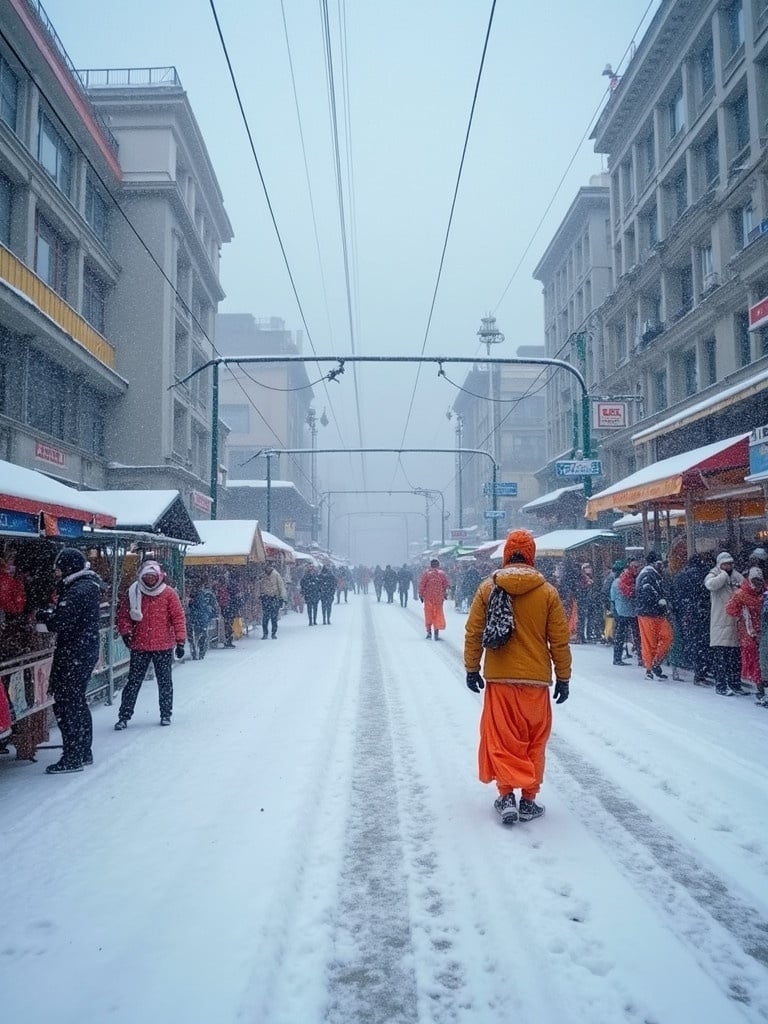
point(19, 276)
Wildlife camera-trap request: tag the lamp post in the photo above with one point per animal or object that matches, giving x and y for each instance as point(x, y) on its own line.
point(489, 335)
point(312, 421)
point(428, 492)
point(459, 445)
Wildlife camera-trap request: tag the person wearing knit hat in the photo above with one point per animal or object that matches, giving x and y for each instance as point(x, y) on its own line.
point(433, 590)
point(722, 582)
point(516, 719)
point(152, 624)
point(746, 607)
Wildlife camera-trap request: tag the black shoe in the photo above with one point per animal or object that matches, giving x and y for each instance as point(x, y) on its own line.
point(658, 673)
point(506, 808)
point(264, 636)
point(649, 674)
point(739, 690)
point(228, 643)
point(121, 723)
point(625, 663)
point(429, 634)
point(274, 636)
point(88, 758)
point(165, 720)
point(723, 690)
point(529, 810)
point(60, 768)
point(437, 634)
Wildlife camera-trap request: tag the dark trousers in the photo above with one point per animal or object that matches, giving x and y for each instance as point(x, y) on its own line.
point(626, 626)
point(726, 665)
point(404, 597)
point(312, 611)
point(140, 660)
point(228, 618)
point(326, 604)
point(68, 683)
point(270, 606)
point(377, 588)
point(390, 596)
point(198, 641)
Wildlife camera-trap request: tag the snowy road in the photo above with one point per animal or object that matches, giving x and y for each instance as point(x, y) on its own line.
point(309, 842)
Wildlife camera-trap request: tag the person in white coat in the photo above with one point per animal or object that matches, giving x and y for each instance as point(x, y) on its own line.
point(722, 582)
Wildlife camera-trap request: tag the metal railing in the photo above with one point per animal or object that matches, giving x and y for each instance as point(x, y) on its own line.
point(117, 78)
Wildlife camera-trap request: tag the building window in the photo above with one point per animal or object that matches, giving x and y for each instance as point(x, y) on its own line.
point(734, 22)
point(707, 68)
point(686, 288)
point(743, 339)
point(652, 227)
point(649, 155)
point(740, 113)
point(96, 212)
point(680, 191)
point(690, 376)
point(707, 266)
point(181, 355)
point(711, 155)
point(54, 154)
point(180, 430)
point(91, 422)
point(710, 361)
point(676, 114)
point(9, 95)
point(660, 390)
point(6, 199)
point(50, 405)
point(94, 300)
point(51, 257)
point(237, 418)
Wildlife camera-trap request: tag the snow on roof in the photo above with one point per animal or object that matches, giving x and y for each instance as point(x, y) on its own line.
point(558, 542)
point(261, 483)
point(636, 518)
point(671, 467)
point(29, 485)
point(223, 538)
point(271, 541)
point(137, 508)
point(694, 412)
point(550, 498)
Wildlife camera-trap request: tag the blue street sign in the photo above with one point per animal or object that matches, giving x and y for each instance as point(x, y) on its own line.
point(579, 467)
point(506, 490)
point(495, 513)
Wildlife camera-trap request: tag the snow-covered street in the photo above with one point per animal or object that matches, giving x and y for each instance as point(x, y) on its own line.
point(309, 843)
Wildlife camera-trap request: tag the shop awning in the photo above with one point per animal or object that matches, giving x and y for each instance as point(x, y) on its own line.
point(689, 473)
point(157, 512)
point(227, 542)
point(546, 501)
point(31, 503)
point(276, 547)
point(558, 543)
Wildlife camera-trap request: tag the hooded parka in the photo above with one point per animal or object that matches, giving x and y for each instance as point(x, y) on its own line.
point(722, 627)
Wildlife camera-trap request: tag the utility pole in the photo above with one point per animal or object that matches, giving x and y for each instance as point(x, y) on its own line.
point(489, 335)
point(459, 485)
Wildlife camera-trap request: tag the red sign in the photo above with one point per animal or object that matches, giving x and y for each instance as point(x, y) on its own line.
point(201, 501)
point(758, 314)
point(47, 453)
point(609, 415)
point(459, 534)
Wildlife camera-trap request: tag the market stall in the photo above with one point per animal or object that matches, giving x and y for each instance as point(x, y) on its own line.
point(234, 547)
point(598, 547)
point(38, 516)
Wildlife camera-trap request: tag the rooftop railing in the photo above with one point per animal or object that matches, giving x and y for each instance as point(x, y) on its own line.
point(116, 78)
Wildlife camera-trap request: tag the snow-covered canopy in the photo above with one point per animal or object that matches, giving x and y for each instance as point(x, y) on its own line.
point(551, 498)
point(560, 542)
point(161, 512)
point(636, 518)
point(671, 477)
point(227, 542)
point(28, 492)
point(274, 545)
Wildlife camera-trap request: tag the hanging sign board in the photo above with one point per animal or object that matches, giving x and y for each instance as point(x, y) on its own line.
point(609, 415)
point(758, 314)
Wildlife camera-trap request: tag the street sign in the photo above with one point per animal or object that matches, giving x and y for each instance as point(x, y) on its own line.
point(579, 467)
point(609, 415)
point(459, 534)
point(495, 513)
point(486, 489)
point(506, 490)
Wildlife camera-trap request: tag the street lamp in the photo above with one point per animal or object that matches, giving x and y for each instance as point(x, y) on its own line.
point(459, 446)
point(489, 335)
point(312, 421)
point(428, 492)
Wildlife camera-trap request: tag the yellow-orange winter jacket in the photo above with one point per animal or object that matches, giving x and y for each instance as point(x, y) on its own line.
point(541, 636)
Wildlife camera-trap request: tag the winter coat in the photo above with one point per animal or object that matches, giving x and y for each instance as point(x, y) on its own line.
point(75, 619)
point(469, 584)
point(390, 580)
point(434, 586)
point(541, 635)
point(326, 583)
point(722, 626)
point(162, 626)
point(272, 585)
point(649, 593)
point(745, 607)
point(404, 579)
point(202, 609)
point(625, 607)
point(13, 596)
point(690, 599)
point(310, 587)
point(764, 638)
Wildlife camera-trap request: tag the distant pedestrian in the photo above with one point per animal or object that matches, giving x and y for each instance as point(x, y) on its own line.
point(722, 582)
point(433, 590)
point(691, 604)
point(746, 606)
point(310, 588)
point(378, 581)
point(327, 588)
point(404, 581)
point(273, 597)
point(652, 617)
point(151, 622)
point(517, 716)
point(202, 609)
point(75, 621)
point(624, 604)
point(390, 583)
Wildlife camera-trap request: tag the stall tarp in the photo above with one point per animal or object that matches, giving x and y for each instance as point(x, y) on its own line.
point(551, 498)
point(227, 542)
point(26, 494)
point(625, 522)
point(559, 542)
point(274, 545)
point(670, 478)
point(157, 512)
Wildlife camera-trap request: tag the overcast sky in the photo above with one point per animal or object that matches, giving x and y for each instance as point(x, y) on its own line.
point(412, 68)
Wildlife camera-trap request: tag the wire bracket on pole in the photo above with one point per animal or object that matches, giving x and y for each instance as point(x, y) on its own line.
point(440, 368)
point(335, 374)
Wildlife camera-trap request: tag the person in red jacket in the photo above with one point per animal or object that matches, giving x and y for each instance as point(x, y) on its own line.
point(151, 622)
point(433, 590)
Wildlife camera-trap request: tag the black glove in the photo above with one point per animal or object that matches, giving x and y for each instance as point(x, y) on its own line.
point(128, 640)
point(180, 651)
point(422, 600)
point(44, 614)
point(476, 683)
point(562, 688)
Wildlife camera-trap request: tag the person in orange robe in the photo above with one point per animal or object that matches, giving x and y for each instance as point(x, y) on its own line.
point(517, 715)
point(433, 590)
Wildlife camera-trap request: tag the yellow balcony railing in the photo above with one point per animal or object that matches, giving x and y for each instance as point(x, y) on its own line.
point(21, 277)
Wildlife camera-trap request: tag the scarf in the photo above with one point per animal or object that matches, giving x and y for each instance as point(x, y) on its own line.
point(137, 589)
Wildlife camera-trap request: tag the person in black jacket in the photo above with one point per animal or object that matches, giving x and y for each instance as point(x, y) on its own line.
point(310, 589)
point(655, 628)
point(390, 583)
point(75, 621)
point(690, 603)
point(327, 585)
point(404, 581)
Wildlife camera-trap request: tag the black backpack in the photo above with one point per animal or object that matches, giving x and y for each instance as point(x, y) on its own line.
point(499, 619)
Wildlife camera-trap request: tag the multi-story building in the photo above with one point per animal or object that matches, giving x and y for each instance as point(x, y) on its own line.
point(92, 331)
point(686, 133)
point(266, 405)
point(576, 276)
